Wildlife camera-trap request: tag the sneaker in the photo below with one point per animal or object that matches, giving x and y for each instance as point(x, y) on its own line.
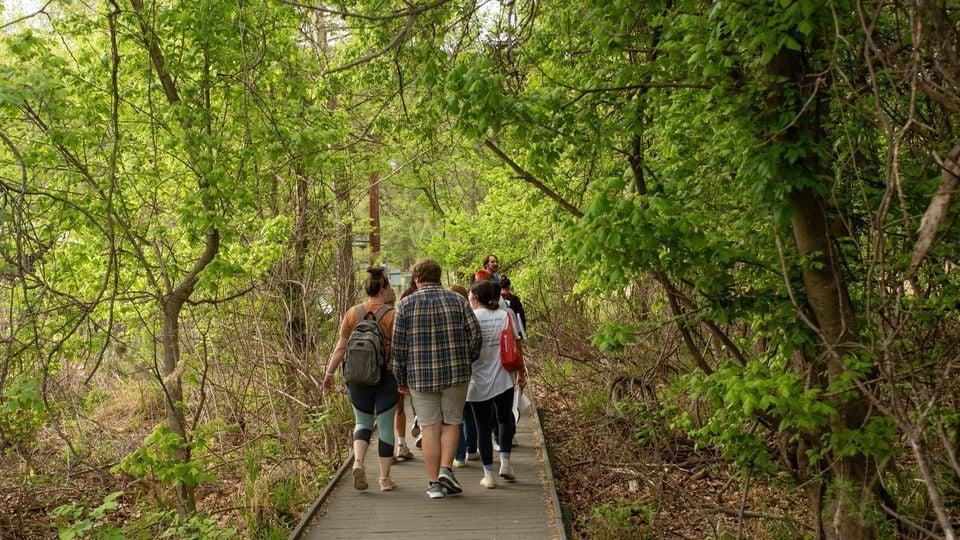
point(387, 484)
point(506, 471)
point(404, 453)
point(449, 481)
point(457, 463)
point(435, 490)
point(496, 447)
point(488, 481)
point(415, 430)
point(359, 478)
point(473, 456)
point(419, 442)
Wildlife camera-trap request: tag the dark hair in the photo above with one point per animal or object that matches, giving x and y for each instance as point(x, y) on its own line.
point(486, 294)
point(426, 270)
point(459, 289)
point(504, 282)
point(487, 259)
point(376, 281)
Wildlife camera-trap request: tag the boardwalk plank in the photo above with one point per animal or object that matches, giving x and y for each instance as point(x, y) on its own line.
point(517, 510)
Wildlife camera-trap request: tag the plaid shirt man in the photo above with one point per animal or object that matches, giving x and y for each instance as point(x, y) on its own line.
point(436, 337)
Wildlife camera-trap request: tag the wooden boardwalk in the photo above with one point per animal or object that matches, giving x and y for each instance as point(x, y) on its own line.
point(522, 509)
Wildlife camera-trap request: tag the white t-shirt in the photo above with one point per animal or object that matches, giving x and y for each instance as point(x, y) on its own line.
point(489, 379)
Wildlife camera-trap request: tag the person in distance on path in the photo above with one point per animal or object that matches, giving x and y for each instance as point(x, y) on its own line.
point(436, 338)
point(492, 264)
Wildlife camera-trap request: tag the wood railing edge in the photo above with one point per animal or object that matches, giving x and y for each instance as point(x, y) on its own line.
point(324, 495)
point(548, 472)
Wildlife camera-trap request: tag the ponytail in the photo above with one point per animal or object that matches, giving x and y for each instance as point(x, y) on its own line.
point(486, 294)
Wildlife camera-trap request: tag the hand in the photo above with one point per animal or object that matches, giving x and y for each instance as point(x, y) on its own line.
point(522, 379)
point(404, 390)
point(327, 382)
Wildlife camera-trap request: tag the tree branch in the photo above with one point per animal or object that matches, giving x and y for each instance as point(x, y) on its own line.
point(526, 176)
point(414, 10)
point(376, 54)
point(938, 207)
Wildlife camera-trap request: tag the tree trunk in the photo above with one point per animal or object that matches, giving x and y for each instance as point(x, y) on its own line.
point(828, 300)
point(345, 267)
point(295, 277)
point(172, 370)
point(173, 387)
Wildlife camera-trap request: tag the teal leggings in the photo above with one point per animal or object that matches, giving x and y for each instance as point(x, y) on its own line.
point(384, 422)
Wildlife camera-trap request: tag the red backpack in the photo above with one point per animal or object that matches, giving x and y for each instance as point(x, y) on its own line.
point(511, 356)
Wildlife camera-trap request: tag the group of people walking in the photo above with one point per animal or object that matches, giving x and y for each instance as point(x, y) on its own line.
point(456, 353)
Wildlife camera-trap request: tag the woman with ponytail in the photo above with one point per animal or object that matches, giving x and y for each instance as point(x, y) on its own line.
point(490, 393)
point(371, 404)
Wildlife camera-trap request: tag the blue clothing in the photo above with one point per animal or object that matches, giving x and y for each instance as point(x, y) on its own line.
point(468, 434)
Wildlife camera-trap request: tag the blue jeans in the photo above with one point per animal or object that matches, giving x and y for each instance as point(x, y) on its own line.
point(468, 434)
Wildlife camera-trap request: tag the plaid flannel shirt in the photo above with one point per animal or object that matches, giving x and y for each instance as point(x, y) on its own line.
point(436, 338)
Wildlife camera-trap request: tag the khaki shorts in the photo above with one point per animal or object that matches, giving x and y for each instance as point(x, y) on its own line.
point(444, 406)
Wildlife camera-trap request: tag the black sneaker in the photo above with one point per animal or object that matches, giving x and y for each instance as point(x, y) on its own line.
point(449, 481)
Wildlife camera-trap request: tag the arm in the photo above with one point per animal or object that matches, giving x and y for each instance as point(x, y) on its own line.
point(474, 334)
point(339, 351)
point(521, 314)
point(399, 348)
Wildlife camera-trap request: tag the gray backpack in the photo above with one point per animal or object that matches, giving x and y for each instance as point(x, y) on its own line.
point(366, 356)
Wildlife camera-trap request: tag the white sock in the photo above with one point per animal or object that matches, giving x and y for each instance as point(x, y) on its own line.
point(504, 456)
point(402, 441)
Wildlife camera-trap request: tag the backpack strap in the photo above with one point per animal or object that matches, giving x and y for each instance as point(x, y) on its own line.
point(381, 312)
point(361, 312)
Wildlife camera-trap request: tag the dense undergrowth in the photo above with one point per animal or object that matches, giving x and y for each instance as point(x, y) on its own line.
point(106, 470)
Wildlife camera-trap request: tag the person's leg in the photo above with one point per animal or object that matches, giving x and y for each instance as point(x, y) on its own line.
point(506, 426)
point(386, 399)
point(385, 446)
point(452, 401)
point(431, 450)
point(461, 455)
point(431, 418)
point(400, 422)
point(449, 437)
point(470, 430)
point(364, 404)
point(361, 440)
point(506, 423)
point(483, 414)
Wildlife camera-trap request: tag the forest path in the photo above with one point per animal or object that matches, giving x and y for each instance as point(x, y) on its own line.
point(521, 509)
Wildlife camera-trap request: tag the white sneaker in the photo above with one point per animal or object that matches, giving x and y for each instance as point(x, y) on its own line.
point(489, 481)
point(506, 471)
point(459, 463)
point(473, 456)
point(496, 447)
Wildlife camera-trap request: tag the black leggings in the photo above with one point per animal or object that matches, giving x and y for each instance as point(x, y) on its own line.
point(375, 405)
point(495, 412)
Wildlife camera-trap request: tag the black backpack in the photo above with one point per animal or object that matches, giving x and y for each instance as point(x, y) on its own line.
point(366, 357)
